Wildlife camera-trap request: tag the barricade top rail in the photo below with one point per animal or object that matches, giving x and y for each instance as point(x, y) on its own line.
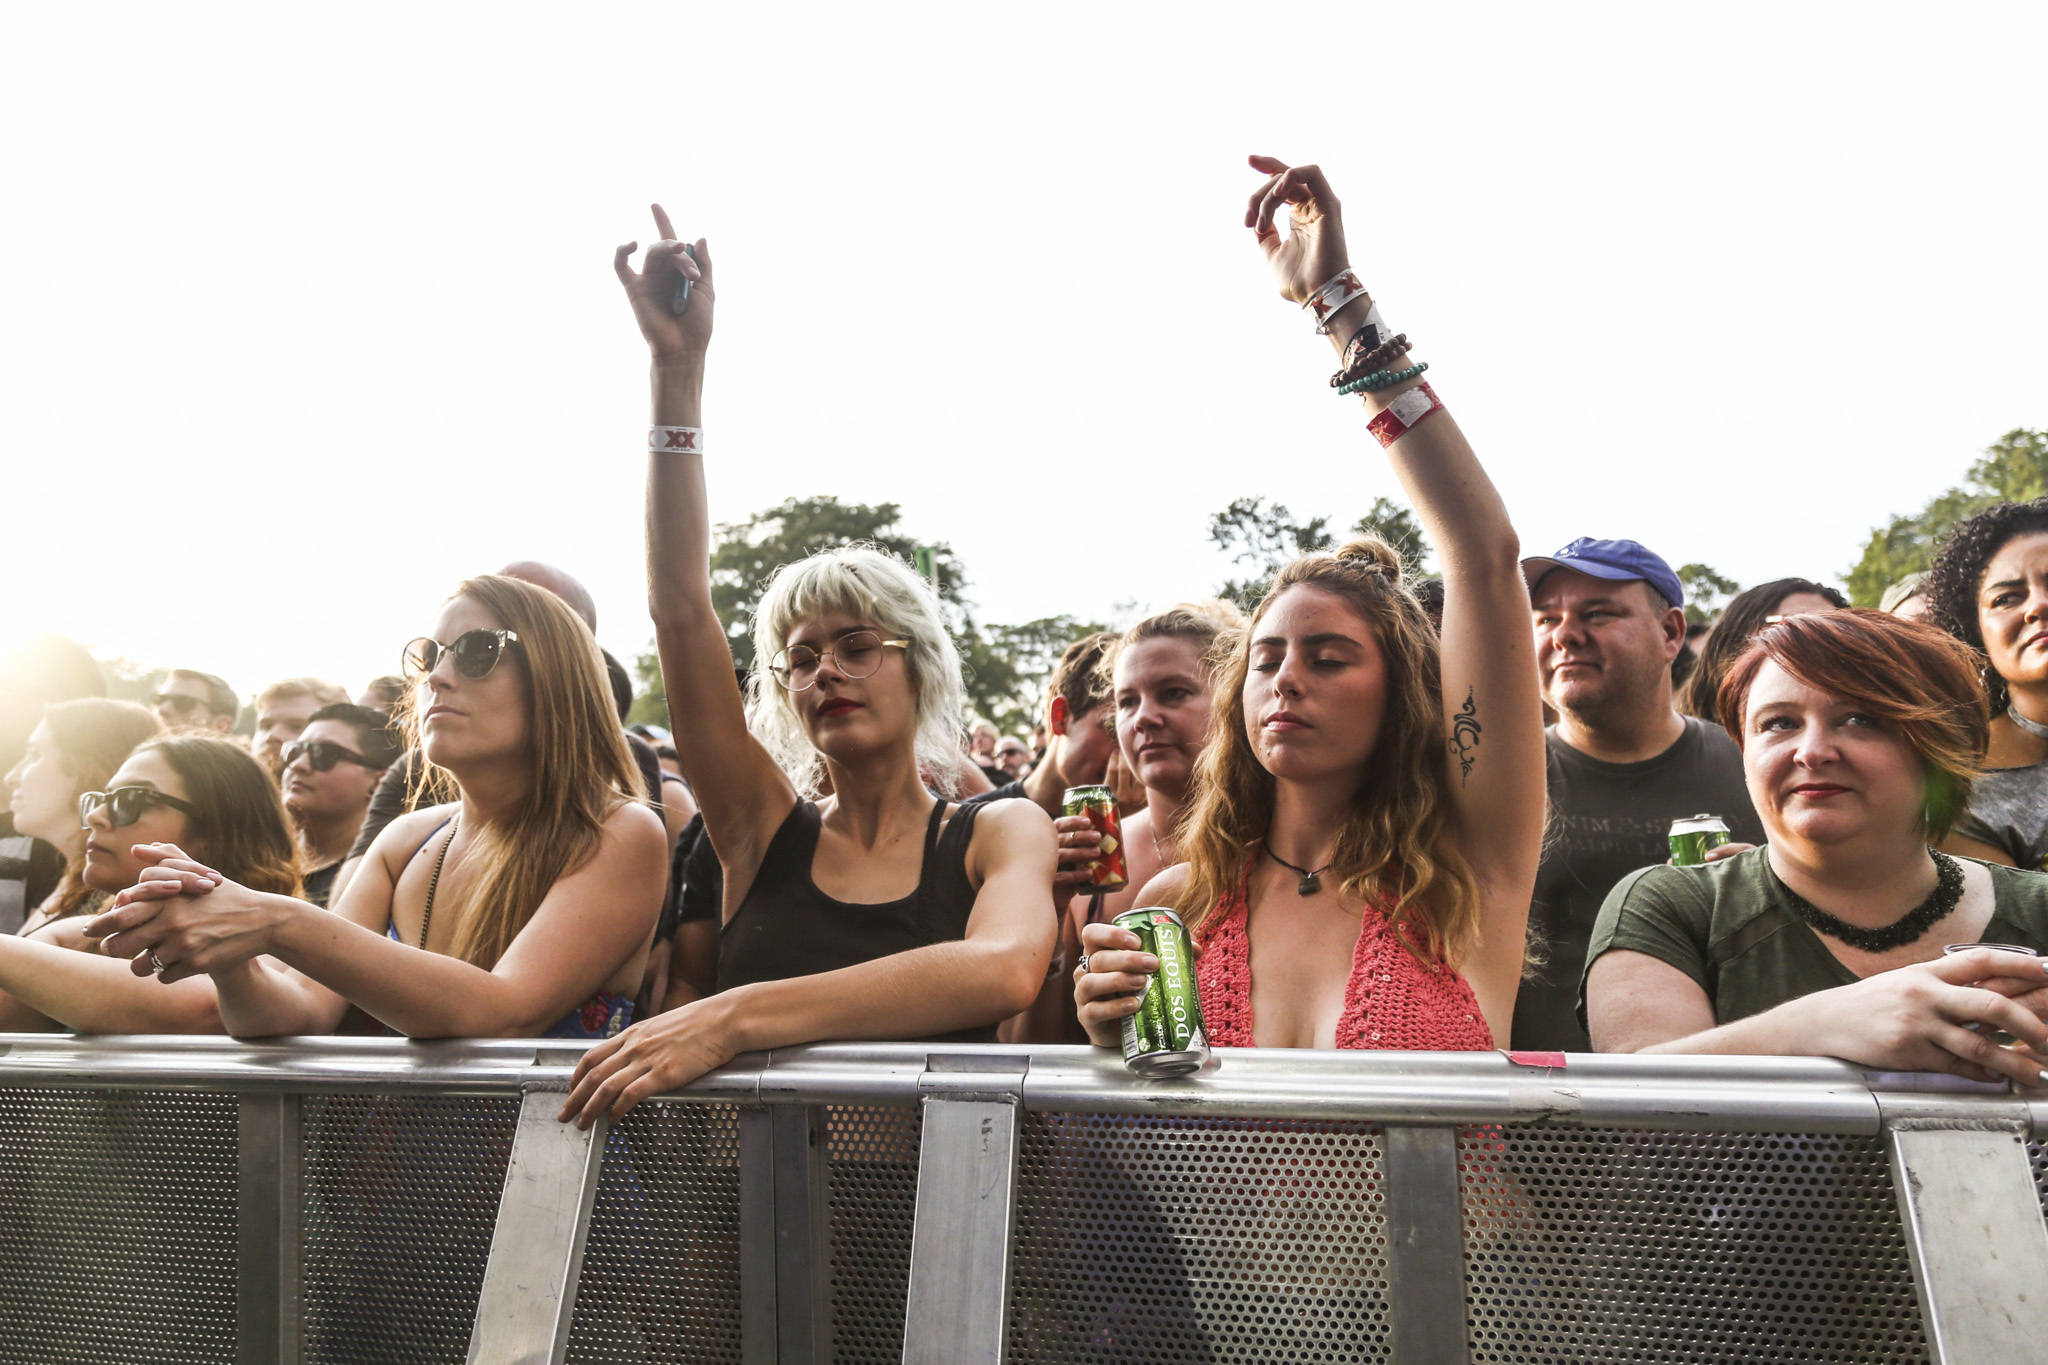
point(1702, 1094)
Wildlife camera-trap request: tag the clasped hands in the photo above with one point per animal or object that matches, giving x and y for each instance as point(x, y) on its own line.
point(183, 915)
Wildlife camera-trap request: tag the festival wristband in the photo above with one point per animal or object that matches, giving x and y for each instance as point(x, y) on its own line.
point(686, 440)
point(1373, 334)
point(1333, 295)
point(1405, 413)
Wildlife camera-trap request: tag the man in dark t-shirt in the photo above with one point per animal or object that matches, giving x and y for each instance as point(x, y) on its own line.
point(1621, 765)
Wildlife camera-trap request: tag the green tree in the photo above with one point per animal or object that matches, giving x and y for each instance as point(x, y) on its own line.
point(2014, 468)
point(1706, 592)
point(1265, 536)
point(1007, 667)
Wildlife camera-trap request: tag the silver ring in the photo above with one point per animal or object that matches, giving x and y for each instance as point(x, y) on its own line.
point(1084, 962)
point(156, 964)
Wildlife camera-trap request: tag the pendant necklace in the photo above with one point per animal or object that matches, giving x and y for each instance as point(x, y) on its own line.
point(1311, 882)
point(1948, 889)
point(2032, 727)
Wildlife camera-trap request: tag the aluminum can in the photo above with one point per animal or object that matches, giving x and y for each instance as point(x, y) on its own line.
point(1164, 1037)
point(1107, 872)
point(1691, 838)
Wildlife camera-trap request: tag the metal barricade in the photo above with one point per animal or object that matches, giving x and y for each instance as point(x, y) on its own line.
point(362, 1201)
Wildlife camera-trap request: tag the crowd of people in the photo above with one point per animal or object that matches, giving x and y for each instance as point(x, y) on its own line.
point(1392, 814)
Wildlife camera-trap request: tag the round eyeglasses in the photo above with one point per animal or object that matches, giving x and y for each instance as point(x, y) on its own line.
point(857, 654)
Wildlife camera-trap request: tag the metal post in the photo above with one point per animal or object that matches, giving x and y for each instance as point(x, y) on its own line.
point(803, 1267)
point(269, 1307)
point(757, 1233)
point(529, 1290)
point(1975, 1236)
point(957, 1312)
point(1425, 1245)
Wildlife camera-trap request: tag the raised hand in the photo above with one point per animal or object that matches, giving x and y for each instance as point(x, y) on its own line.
point(652, 290)
point(1313, 250)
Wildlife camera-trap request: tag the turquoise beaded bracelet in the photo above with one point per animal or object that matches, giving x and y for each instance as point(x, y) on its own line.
point(1381, 379)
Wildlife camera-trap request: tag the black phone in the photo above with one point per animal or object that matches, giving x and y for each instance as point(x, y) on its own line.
point(681, 303)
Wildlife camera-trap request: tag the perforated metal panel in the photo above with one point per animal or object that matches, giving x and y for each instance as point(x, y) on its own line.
point(2037, 1155)
point(1684, 1247)
point(400, 1199)
point(117, 1227)
point(1159, 1239)
point(661, 1272)
point(872, 1202)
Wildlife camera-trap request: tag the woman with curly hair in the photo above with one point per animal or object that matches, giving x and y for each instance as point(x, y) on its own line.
point(1989, 588)
point(1749, 612)
point(1363, 842)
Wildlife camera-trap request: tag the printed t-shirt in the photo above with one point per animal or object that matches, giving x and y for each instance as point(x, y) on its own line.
point(1607, 820)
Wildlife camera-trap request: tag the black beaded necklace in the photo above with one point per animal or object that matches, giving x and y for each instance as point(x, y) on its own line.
point(1948, 889)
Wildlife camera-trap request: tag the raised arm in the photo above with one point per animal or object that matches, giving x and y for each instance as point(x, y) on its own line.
point(744, 796)
point(1492, 710)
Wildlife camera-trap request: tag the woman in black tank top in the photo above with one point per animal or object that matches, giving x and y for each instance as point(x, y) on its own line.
point(877, 912)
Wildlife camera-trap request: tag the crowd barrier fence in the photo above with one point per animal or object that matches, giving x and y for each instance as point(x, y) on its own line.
point(362, 1201)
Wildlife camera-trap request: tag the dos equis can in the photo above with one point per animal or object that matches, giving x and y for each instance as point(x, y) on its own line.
point(1164, 1037)
point(1690, 839)
point(1106, 873)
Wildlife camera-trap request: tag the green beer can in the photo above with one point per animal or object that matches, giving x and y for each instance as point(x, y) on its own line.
point(1691, 838)
point(1164, 1036)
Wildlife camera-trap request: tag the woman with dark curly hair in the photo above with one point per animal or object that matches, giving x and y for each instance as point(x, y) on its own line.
point(1989, 589)
point(1750, 611)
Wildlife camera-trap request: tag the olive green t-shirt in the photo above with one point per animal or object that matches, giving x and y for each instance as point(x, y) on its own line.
point(1728, 926)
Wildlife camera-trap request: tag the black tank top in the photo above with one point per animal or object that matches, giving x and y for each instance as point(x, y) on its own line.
point(787, 927)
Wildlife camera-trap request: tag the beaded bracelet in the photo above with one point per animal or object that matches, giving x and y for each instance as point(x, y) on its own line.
point(1382, 379)
point(1377, 359)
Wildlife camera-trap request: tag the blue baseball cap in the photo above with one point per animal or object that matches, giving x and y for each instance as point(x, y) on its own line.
point(1616, 560)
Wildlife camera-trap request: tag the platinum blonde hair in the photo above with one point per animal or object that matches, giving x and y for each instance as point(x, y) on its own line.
point(863, 582)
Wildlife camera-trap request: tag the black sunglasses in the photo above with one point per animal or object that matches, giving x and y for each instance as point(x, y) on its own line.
point(177, 701)
point(125, 805)
point(322, 754)
point(476, 653)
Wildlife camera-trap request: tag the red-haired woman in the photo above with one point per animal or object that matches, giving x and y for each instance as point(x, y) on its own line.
point(1358, 862)
point(1861, 733)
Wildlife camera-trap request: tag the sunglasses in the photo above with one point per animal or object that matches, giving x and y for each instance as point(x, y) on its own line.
point(322, 754)
point(178, 702)
point(125, 805)
point(858, 654)
point(476, 653)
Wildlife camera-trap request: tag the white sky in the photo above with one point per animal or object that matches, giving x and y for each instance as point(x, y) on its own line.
point(308, 312)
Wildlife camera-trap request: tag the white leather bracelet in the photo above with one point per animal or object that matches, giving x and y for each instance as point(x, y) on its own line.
point(676, 440)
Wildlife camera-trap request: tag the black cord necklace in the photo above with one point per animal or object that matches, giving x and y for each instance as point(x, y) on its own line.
point(1948, 889)
point(1311, 882)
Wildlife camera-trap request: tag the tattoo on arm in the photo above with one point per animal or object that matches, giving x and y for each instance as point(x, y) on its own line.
point(1465, 728)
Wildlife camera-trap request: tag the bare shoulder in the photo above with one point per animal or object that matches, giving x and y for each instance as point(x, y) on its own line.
point(1008, 830)
point(408, 831)
point(1165, 888)
point(634, 831)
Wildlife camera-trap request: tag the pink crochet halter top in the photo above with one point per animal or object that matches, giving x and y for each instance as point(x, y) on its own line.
point(1392, 1000)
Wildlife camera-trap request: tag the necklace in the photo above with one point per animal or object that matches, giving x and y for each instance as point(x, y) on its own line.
point(1948, 889)
point(427, 918)
point(2032, 727)
point(1311, 882)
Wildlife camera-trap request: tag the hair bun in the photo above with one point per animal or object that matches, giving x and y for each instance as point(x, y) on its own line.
point(1370, 552)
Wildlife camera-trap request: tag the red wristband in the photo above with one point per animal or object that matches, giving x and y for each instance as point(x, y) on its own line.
point(1405, 413)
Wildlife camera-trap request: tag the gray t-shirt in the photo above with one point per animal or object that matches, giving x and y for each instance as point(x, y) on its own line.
point(2009, 811)
point(1607, 820)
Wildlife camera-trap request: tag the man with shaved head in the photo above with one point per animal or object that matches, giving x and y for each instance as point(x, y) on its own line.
point(560, 584)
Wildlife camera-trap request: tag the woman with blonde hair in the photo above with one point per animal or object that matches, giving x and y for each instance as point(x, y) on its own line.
point(523, 907)
point(1369, 804)
point(197, 790)
point(879, 911)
